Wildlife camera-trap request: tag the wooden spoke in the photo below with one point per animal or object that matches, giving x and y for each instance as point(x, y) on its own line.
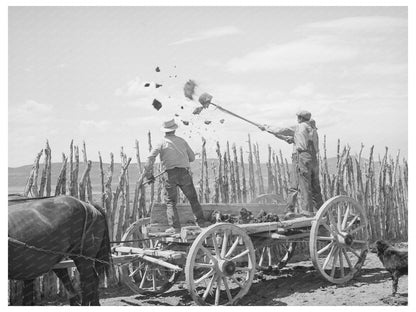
point(328, 257)
point(218, 291)
point(214, 242)
point(354, 252)
point(352, 222)
point(205, 276)
point(341, 263)
point(204, 265)
point(144, 277)
point(325, 238)
point(135, 271)
point(236, 281)
point(208, 253)
point(321, 251)
point(332, 221)
point(347, 258)
point(243, 269)
point(359, 241)
point(334, 263)
point(235, 244)
point(325, 225)
point(208, 290)
point(227, 289)
point(154, 281)
point(262, 256)
point(357, 229)
point(241, 254)
point(224, 244)
point(344, 221)
point(339, 217)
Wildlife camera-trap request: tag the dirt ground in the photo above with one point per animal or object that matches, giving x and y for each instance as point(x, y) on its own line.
point(298, 284)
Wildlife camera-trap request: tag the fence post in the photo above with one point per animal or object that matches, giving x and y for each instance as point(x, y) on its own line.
point(237, 174)
point(31, 185)
point(251, 180)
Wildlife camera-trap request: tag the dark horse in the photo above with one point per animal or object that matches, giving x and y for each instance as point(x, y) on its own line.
point(42, 231)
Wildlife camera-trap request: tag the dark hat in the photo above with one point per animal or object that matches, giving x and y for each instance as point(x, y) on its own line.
point(304, 114)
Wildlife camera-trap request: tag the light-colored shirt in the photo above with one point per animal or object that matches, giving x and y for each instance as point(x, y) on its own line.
point(173, 152)
point(301, 134)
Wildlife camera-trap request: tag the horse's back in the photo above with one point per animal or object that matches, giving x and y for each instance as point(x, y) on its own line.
point(52, 224)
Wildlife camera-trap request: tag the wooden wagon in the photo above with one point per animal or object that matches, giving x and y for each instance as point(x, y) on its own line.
point(220, 261)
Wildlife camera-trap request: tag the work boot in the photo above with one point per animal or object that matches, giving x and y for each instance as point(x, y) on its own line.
point(306, 213)
point(290, 215)
point(203, 224)
point(172, 230)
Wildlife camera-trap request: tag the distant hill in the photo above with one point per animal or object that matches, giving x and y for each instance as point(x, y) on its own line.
point(18, 176)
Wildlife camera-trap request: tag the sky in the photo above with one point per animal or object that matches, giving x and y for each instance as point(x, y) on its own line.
point(80, 73)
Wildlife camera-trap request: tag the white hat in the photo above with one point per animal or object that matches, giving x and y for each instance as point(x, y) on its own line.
point(169, 126)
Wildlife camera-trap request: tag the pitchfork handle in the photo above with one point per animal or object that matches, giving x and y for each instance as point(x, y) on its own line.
point(235, 115)
point(282, 137)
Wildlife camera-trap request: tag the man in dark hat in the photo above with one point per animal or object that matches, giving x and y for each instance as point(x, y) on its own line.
point(301, 173)
point(175, 156)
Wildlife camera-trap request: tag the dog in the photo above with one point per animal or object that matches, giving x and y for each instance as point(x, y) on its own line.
point(395, 261)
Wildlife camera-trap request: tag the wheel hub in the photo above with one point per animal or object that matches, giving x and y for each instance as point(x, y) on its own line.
point(227, 267)
point(345, 239)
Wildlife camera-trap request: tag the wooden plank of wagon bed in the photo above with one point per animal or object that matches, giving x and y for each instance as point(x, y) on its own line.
point(252, 228)
point(135, 253)
point(158, 220)
point(66, 264)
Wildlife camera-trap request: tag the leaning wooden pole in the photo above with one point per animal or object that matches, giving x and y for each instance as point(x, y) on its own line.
point(237, 174)
point(31, 185)
point(102, 179)
point(49, 171)
point(88, 187)
point(62, 177)
point(221, 197)
point(207, 191)
point(243, 177)
point(251, 180)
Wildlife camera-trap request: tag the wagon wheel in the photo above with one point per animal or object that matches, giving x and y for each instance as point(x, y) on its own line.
point(220, 266)
point(273, 255)
point(339, 239)
point(141, 276)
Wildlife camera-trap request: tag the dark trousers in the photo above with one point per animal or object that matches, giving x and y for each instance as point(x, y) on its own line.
point(180, 177)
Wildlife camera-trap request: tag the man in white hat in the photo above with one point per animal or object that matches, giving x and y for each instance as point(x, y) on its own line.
point(175, 156)
point(301, 174)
